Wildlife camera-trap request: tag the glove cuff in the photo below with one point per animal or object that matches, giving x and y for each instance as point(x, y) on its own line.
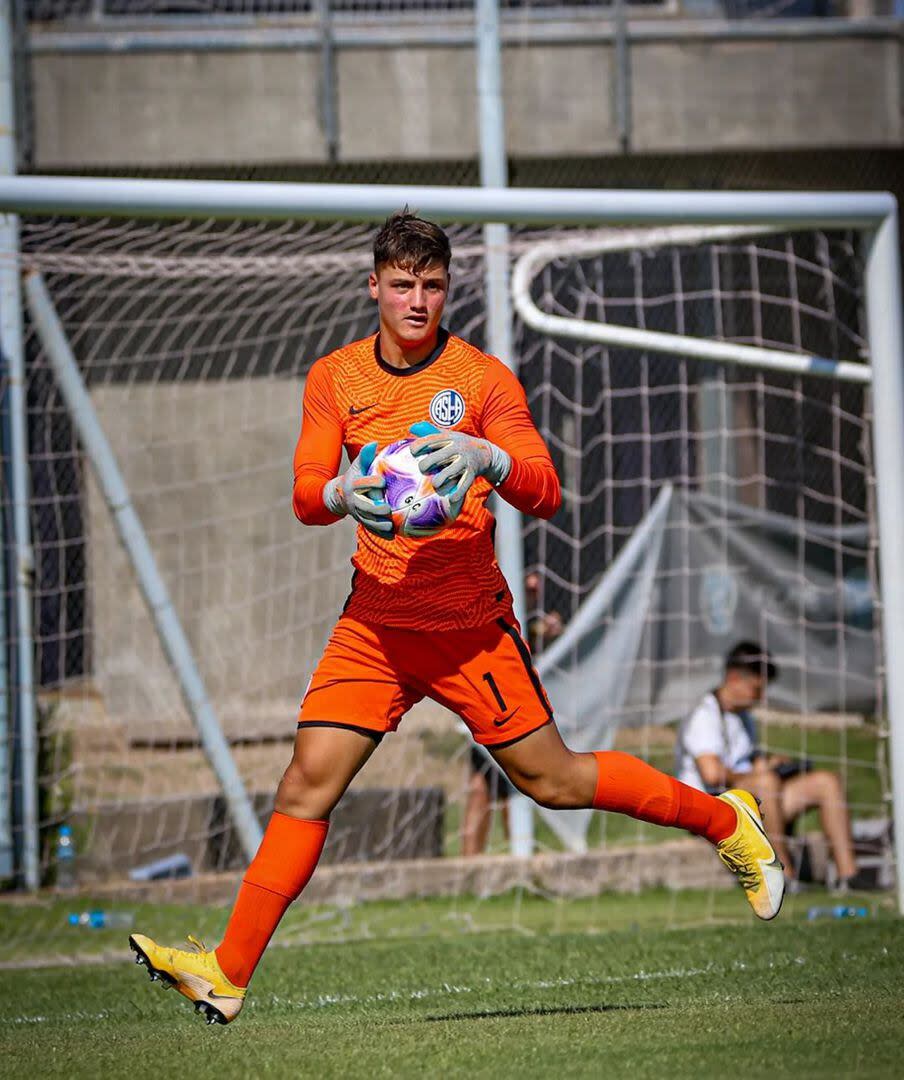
point(500, 466)
point(334, 497)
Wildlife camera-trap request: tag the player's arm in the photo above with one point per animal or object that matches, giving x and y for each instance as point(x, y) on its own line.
point(319, 496)
point(319, 449)
point(532, 484)
point(512, 457)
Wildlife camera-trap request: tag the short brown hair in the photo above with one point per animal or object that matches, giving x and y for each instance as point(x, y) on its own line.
point(751, 657)
point(411, 243)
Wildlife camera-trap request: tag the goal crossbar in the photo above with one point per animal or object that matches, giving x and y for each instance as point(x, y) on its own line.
point(367, 202)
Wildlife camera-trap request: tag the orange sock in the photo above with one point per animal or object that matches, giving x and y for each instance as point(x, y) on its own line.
point(630, 786)
point(282, 867)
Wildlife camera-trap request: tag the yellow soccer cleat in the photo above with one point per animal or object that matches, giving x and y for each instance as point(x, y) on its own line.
point(749, 854)
point(197, 975)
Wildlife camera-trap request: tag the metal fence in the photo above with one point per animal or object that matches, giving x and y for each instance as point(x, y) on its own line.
point(96, 11)
point(81, 10)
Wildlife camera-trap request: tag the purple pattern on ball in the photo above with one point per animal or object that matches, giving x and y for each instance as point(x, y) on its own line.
point(398, 485)
point(425, 511)
point(429, 512)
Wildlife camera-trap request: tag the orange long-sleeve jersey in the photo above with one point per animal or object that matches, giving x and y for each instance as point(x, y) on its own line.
point(352, 397)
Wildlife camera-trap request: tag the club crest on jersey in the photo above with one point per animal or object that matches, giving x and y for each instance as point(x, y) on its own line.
point(447, 408)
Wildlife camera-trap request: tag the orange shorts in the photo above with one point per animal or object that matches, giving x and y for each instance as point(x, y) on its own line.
point(369, 677)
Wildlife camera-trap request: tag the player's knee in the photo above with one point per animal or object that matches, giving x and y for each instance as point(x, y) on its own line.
point(304, 791)
point(548, 789)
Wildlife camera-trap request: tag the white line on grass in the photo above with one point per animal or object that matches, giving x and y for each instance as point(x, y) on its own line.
point(326, 1001)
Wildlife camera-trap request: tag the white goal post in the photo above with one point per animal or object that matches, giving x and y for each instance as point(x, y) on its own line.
point(873, 215)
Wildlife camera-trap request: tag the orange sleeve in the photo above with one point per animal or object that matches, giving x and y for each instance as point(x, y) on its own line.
point(319, 448)
point(532, 486)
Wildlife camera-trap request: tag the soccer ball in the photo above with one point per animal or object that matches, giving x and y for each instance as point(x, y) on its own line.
point(417, 507)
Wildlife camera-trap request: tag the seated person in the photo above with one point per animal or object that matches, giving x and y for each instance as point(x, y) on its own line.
point(716, 749)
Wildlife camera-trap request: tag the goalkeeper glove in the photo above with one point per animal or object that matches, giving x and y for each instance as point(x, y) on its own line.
point(451, 457)
point(359, 494)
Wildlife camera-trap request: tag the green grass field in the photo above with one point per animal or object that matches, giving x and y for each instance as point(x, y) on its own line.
point(674, 984)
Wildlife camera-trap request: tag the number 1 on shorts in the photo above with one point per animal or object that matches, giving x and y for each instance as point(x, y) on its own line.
point(491, 682)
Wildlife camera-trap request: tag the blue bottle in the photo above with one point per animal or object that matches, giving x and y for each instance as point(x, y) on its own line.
point(65, 858)
point(837, 911)
point(102, 920)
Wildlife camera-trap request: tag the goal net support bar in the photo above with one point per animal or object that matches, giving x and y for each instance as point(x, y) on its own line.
point(530, 264)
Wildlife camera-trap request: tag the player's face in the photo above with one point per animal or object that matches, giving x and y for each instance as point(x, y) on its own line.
point(410, 305)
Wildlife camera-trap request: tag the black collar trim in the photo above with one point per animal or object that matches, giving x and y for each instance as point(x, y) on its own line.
point(442, 339)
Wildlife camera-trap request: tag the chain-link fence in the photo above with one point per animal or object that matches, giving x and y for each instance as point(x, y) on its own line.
point(96, 11)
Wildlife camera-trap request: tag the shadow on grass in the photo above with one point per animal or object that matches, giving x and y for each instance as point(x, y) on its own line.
point(562, 1010)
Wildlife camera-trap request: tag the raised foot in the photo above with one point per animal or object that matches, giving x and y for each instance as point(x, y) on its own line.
point(749, 855)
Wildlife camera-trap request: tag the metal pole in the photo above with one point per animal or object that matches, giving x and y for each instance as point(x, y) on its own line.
point(329, 121)
point(494, 174)
point(7, 851)
point(12, 346)
point(886, 341)
point(131, 532)
point(622, 78)
point(23, 92)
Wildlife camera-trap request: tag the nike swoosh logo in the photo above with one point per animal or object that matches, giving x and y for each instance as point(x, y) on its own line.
point(502, 720)
point(776, 862)
point(753, 819)
point(222, 997)
point(352, 411)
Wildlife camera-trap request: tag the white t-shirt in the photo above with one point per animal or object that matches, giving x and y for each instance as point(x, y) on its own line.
point(709, 730)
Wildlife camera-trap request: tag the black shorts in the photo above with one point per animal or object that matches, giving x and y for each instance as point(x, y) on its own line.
point(497, 781)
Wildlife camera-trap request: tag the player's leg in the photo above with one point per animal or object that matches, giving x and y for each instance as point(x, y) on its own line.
point(544, 768)
point(323, 764)
point(822, 789)
point(487, 676)
point(325, 761)
point(353, 698)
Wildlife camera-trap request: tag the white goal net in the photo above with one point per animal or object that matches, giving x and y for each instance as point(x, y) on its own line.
point(748, 492)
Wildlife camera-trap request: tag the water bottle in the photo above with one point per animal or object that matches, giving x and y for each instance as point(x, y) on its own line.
point(102, 920)
point(65, 858)
point(837, 911)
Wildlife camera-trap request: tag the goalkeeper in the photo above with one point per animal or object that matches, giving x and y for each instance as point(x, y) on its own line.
point(429, 617)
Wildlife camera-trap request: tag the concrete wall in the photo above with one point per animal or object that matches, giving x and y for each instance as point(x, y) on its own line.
point(181, 107)
point(256, 592)
point(690, 92)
